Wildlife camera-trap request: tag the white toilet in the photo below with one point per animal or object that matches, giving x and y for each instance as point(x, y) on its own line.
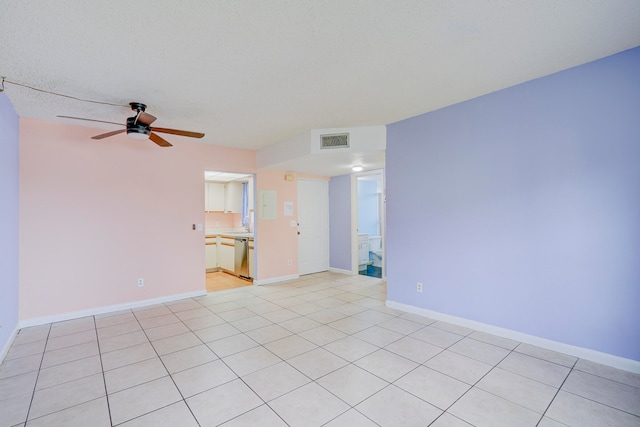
point(375, 249)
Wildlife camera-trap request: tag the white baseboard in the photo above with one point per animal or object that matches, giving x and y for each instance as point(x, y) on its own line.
point(276, 279)
point(580, 352)
point(106, 309)
point(7, 345)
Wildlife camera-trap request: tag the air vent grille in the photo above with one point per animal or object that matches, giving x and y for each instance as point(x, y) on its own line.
point(336, 140)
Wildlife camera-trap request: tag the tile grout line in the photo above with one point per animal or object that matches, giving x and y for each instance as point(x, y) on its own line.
point(239, 377)
point(349, 362)
point(33, 395)
point(164, 366)
point(288, 292)
point(557, 392)
point(144, 331)
point(64, 382)
point(472, 385)
point(95, 330)
point(104, 380)
point(589, 399)
point(221, 360)
point(314, 381)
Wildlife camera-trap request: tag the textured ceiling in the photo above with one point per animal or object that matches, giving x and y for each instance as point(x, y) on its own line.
point(251, 73)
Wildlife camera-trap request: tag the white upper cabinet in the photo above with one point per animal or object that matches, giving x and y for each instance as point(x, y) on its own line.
point(220, 197)
point(214, 197)
point(233, 197)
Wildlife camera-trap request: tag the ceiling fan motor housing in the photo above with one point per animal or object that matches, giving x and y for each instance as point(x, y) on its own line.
point(137, 129)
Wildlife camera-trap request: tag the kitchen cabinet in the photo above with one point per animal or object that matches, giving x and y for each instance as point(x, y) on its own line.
point(226, 254)
point(233, 197)
point(214, 197)
point(251, 260)
point(211, 253)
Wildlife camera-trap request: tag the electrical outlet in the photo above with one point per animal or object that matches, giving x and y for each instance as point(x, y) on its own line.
point(140, 282)
point(289, 262)
point(419, 287)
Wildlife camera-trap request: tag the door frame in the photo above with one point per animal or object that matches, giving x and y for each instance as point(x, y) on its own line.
point(354, 219)
point(253, 196)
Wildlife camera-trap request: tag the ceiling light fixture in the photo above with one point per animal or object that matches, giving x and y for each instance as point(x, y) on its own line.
point(357, 168)
point(138, 134)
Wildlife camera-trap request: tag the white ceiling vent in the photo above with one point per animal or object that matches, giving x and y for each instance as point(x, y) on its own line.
point(336, 140)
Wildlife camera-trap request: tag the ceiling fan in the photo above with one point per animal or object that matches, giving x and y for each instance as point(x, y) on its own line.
point(139, 127)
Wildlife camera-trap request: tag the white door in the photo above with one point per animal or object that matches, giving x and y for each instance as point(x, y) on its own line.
point(313, 228)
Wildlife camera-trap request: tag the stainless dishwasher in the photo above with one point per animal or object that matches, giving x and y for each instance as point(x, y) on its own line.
point(241, 265)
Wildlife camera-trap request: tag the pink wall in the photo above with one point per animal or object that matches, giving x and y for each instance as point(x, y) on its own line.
point(96, 215)
point(277, 233)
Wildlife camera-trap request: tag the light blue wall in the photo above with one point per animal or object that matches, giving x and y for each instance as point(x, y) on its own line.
point(340, 222)
point(368, 208)
point(528, 204)
point(8, 221)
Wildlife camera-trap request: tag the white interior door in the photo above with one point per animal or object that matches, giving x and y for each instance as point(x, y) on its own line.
point(313, 220)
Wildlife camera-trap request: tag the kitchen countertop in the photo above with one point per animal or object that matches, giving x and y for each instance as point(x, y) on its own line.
point(232, 235)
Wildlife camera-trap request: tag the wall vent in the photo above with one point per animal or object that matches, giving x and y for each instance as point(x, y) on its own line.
point(336, 140)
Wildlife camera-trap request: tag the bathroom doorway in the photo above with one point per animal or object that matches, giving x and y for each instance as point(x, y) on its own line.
point(371, 207)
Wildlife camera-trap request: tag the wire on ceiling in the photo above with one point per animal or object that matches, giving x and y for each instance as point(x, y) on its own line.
point(58, 94)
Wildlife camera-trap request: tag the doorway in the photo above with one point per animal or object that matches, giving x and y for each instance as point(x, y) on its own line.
point(229, 216)
point(370, 223)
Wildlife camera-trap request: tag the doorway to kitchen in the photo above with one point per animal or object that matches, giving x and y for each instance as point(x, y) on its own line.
point(370, 223)
point(229, 230)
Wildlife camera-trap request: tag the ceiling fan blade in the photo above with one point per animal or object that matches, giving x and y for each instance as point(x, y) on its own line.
point(108, 134)
point(179, 132)
point(145, 118)
point(159, 140)
point(90, 120)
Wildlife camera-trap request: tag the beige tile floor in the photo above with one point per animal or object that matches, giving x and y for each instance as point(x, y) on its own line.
point(319, 351)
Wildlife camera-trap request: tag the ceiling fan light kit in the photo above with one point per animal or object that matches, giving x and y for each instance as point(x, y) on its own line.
point(136, 129)
point(139, 127)
point(138, 133)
